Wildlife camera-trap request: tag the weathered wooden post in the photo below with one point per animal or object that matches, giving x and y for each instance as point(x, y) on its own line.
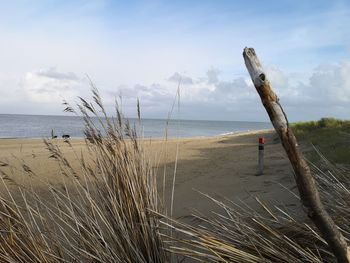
point(308, 191)
point(261, 156)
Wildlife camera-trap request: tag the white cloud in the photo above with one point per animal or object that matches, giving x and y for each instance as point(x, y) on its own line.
point(326, 92)
point(52, 73)
point(331, 83)
point(180, 78)
point(51, 86)
point(213, 75)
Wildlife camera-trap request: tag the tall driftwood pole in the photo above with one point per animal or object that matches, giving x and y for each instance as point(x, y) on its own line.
point(308, 191)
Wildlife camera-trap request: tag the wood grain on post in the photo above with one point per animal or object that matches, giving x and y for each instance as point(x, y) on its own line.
point(306, 184)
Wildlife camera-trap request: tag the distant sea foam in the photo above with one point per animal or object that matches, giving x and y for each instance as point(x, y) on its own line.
point(40, 126)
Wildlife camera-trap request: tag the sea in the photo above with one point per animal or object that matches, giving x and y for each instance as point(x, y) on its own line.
point(42, 126)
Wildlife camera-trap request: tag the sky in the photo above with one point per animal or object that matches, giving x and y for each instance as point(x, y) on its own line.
point(146, 49)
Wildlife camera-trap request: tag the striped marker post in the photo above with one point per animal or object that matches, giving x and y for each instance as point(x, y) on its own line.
point(261, 156)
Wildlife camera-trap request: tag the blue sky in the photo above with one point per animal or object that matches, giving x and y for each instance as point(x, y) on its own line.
point(141, 48)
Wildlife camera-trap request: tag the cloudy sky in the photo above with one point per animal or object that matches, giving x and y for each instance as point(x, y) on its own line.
point(143, 48)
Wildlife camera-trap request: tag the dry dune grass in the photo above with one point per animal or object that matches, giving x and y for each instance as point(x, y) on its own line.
point(109, 217)
point(114, 213)
point(241, 234)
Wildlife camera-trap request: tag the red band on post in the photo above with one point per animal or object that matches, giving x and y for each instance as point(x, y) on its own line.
point(261, 140)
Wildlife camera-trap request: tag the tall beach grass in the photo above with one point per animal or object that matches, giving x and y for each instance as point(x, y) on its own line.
point(107, 214)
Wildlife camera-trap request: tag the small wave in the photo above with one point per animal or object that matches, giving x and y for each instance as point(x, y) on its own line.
point(233, 132)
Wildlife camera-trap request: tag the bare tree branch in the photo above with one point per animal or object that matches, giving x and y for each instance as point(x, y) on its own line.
point(306, 184)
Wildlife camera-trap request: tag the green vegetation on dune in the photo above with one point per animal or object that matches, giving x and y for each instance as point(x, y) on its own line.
point(331, 136)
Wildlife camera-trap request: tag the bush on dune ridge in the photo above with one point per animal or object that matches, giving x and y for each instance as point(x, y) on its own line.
point(323, 123)
point(331, 136)
point(114, 213)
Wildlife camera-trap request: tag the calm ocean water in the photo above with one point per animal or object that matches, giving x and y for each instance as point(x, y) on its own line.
point(39, 126)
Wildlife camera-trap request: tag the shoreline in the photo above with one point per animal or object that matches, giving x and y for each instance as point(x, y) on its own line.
point(229, 134)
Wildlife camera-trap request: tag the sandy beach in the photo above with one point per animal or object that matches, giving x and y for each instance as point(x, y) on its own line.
point(223, 167)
